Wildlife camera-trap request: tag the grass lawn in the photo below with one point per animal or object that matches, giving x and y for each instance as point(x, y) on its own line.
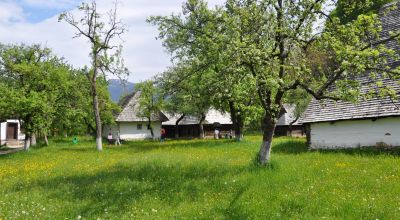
point(203, 179)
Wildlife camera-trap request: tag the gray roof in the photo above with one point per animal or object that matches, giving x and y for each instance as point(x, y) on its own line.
point(390, 21)
point(212, 116)
point(327, 110)
point(130, 110)
point(288, 117)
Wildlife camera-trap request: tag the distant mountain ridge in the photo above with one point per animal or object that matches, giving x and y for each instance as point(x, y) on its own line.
point(118, 88)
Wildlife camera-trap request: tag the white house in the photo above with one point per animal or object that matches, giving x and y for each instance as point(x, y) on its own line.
point(371, 122)
point(10, 133)
point(130, 125)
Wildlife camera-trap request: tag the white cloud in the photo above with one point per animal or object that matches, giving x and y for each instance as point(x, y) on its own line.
point(10, 13)
point(58, 4)
point(143, 54)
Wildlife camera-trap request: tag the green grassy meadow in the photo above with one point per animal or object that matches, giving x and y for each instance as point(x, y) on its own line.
point(198, 179)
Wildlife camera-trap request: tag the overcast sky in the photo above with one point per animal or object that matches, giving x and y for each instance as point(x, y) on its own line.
point(35, 21)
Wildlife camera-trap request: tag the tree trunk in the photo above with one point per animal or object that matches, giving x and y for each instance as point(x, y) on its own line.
point(91, 129)
point(201, 126)
point(239, 128)
point(96, 110)
point(291, 126)
point(237, 122)
point(150, 127)
point(177, 125)
point(27, 143)
point(33, 139)
point(268, 126)
point(46, 141)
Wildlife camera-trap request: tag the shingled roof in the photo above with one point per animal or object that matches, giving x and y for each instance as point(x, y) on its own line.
point(327, 110)
point(130, 110)
point(288, 117)
point(212, 116)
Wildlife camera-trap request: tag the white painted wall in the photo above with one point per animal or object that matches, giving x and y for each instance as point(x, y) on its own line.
point(355, 133)
point(129, 131)
point(3, 130)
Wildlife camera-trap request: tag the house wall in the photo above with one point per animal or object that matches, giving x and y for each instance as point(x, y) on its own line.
point(129, 130)
point(283, 130)
point(355, 133)
point(193, 130)
point(185, 131)
point(3, 131)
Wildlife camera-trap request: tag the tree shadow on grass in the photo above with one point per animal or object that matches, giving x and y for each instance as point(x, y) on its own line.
point(78, 149)
point(294, 146)
point(235, 211)
point(290, 147)
point(144, 146)
point(119, 188)
point(362, 151)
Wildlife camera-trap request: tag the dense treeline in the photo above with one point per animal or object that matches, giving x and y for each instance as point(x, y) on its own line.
point(46, 94)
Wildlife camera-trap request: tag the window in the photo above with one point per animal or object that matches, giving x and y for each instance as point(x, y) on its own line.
point(139, 126)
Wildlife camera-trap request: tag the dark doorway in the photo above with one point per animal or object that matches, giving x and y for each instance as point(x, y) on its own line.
point(12, 131)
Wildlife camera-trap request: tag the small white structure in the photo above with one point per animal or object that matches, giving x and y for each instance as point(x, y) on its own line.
point(10, 133)
point(130, 125)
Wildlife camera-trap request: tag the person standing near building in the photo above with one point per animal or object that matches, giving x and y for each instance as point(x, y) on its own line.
point(216, 133)
point(109, 137)
point(117, 139)
point(163, 133)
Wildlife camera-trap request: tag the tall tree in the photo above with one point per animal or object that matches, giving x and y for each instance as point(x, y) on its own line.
point(150, 102)
point(272, 40)
point(101, 36)
point(186, 91)
point(76, 116)
point(207, 56)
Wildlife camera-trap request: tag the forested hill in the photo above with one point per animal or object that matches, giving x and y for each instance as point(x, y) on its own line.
point(117, 89)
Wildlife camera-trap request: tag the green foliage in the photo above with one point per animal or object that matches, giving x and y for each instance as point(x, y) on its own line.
point(185, 92)
point(206, 179)
point(349, 10)
point(33, 86)
point(150, 101)
point(45, 93)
